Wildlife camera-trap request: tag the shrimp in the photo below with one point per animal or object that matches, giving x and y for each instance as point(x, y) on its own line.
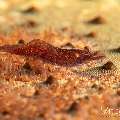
point(63, 57)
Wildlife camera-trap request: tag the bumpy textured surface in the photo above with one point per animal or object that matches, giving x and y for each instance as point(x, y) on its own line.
point(32, 89)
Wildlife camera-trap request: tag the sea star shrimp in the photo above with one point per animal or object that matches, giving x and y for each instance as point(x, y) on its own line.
point(54, 55)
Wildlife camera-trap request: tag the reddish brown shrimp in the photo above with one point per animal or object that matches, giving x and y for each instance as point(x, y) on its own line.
point(54, 55)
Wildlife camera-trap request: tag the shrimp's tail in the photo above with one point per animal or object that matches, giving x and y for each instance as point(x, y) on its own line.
point(9, 48)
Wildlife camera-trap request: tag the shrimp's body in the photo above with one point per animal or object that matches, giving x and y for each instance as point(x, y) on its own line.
point(54, 55)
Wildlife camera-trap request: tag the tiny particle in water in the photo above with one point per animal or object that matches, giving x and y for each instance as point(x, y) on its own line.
point(108, 66)
point(73, 108)
point(97, 20)
point(36, 93)
point(91, 34)
point(86, 97)
point(49, 80)
point(94, 86)
point(64, 29)
point(21, 41)
point(117, 50)
point(118, 92)
point(32, 23)
point(5, 113)
point(27, 67)
point(31, 9)
point(68, 45)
